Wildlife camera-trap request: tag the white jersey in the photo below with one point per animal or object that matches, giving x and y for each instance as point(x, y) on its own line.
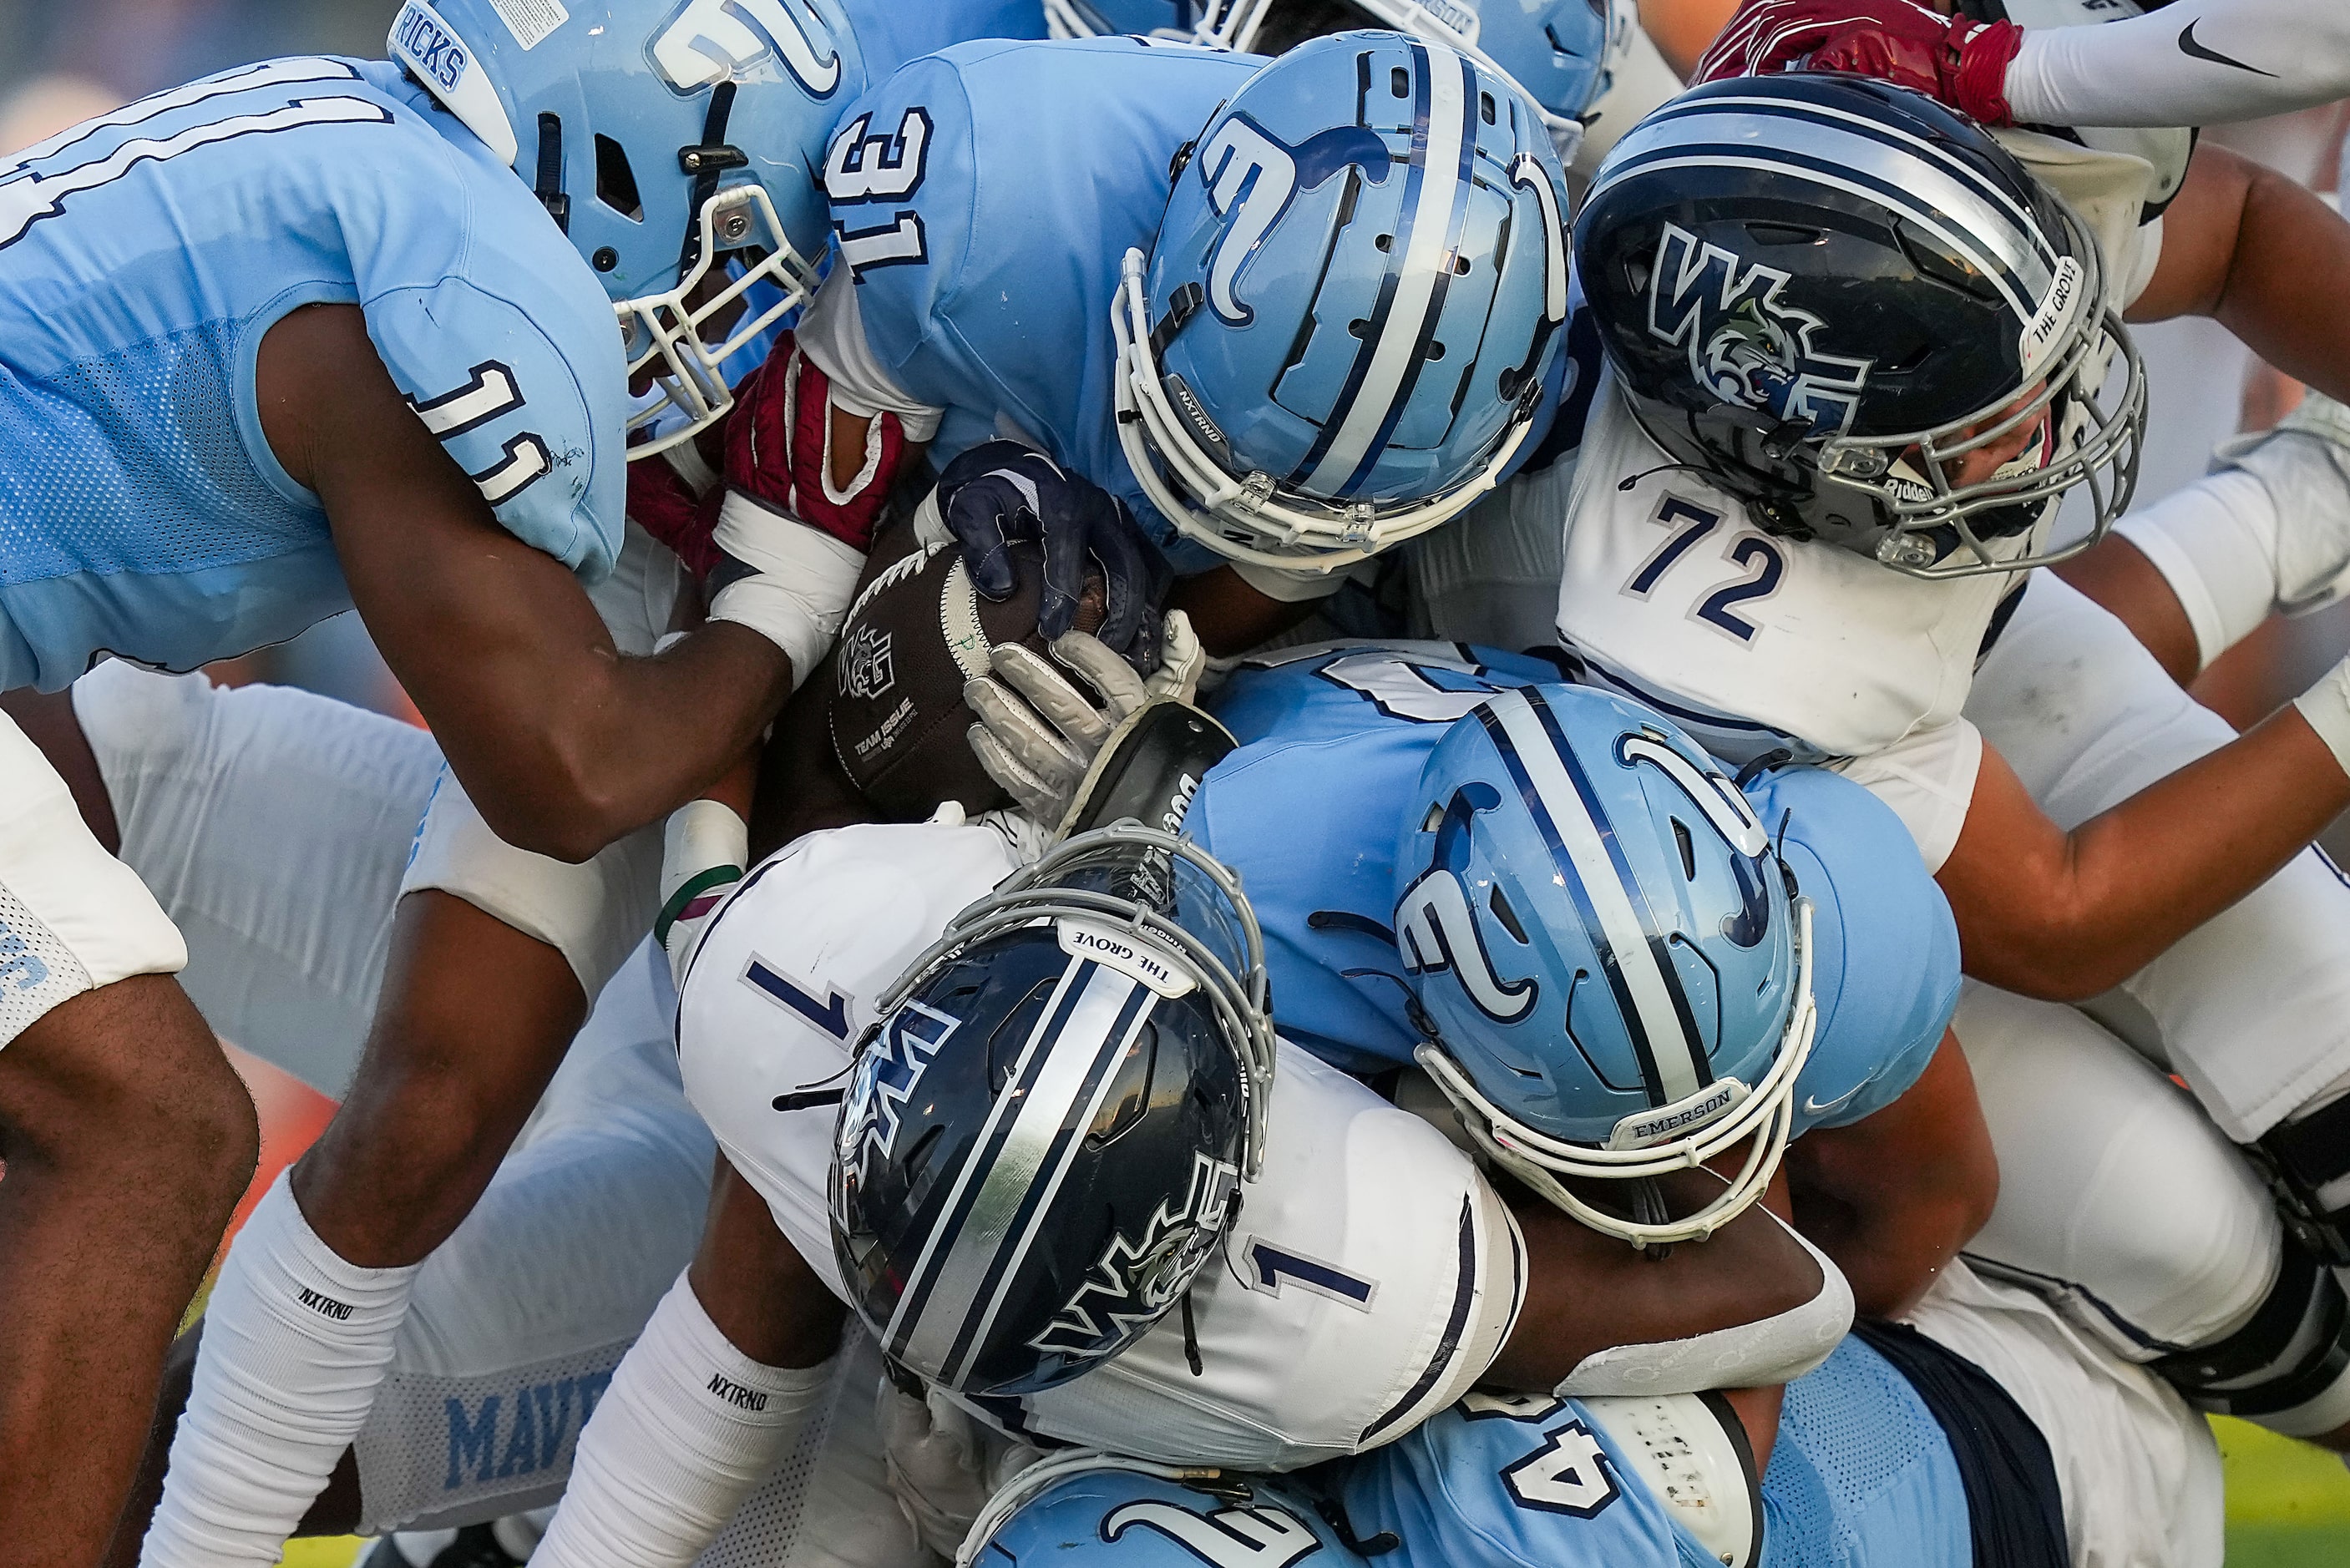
point(1756, 644)
point(1370, 1278)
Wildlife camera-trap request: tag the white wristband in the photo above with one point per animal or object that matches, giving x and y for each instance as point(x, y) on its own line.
point(704, 849)
point(2326, 706)
point(802, 582)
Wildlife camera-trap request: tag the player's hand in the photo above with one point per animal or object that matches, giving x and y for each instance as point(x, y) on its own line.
point(778, 448)
point(1959, 62)
point(663, 504)
point(1000, 491)
point(1038, 732)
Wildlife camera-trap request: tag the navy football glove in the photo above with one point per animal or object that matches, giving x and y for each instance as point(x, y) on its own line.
point(1000, 491)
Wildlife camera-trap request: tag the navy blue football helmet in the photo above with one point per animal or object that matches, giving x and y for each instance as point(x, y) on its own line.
point(1824, 292)
point(1610, 957)
point(1045, 1133)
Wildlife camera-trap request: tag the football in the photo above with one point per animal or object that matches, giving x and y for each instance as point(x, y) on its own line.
point(912, 636)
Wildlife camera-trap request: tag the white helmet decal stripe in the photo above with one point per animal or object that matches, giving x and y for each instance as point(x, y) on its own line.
point(713, 41)
point(1137, 1002)
point(1008, 1160)
point(1680, 1059)
point(1442, 156)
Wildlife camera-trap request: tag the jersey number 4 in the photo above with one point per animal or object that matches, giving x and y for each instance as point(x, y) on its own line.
point(1761, 560)
point(1568, 1474)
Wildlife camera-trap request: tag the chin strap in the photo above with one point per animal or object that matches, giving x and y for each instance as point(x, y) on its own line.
point(704, 163)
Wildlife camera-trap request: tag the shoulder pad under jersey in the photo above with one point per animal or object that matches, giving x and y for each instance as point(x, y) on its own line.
point(1884, 969)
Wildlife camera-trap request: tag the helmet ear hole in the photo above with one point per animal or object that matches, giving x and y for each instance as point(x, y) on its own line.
point(615, 181)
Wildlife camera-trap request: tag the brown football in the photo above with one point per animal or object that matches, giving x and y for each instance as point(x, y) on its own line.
point(915, 633)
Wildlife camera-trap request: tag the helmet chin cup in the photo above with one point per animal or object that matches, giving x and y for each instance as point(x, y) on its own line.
point(1765, 1114)
point(1250, 517)
point(667, 333)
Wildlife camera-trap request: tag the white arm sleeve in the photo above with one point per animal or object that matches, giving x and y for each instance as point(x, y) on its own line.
point(832, 333)
point(2196, 62)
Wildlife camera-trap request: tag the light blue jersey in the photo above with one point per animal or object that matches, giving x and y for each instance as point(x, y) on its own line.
point(997, 188)
point(1308, 811)
point(144, 254)
point(1861, 1476)
point(891, 32)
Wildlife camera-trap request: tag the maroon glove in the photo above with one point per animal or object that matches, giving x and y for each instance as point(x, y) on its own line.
point(1960, 63)
point(664, 505)
point(778, 449)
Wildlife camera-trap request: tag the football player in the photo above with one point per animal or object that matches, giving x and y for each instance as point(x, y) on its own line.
point(568, 126)
point(470, 1347)
point(1778, 527)
point(303, 336)
point(1324, 1259)
point(1421, 915)
point(1983, 1430)
point(1284, 332)
point(1358, 1282)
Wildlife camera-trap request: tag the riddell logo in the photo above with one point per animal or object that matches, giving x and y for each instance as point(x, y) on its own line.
point(325, 1306)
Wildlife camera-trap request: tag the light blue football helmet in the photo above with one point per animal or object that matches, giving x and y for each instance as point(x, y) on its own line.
point(1610, 959)
point(1561, 53)
point(672, 138)
point(1341, 335)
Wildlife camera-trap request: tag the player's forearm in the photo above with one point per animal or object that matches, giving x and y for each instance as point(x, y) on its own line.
point(2066, 920)
point(1890, 1245)
point(2286, 279)
point(565, 755)
point(2195, 62)
point(1587, 1292)
point(1893, 1197)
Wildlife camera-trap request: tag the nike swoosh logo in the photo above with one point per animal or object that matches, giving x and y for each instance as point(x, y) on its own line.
point(2189, 46)
point(1812, 1107)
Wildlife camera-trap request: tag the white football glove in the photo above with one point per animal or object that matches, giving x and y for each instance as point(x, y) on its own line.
point(942, 1465)
point(1038, 733)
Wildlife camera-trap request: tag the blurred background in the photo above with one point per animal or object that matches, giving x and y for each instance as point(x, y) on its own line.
point(62, 61)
